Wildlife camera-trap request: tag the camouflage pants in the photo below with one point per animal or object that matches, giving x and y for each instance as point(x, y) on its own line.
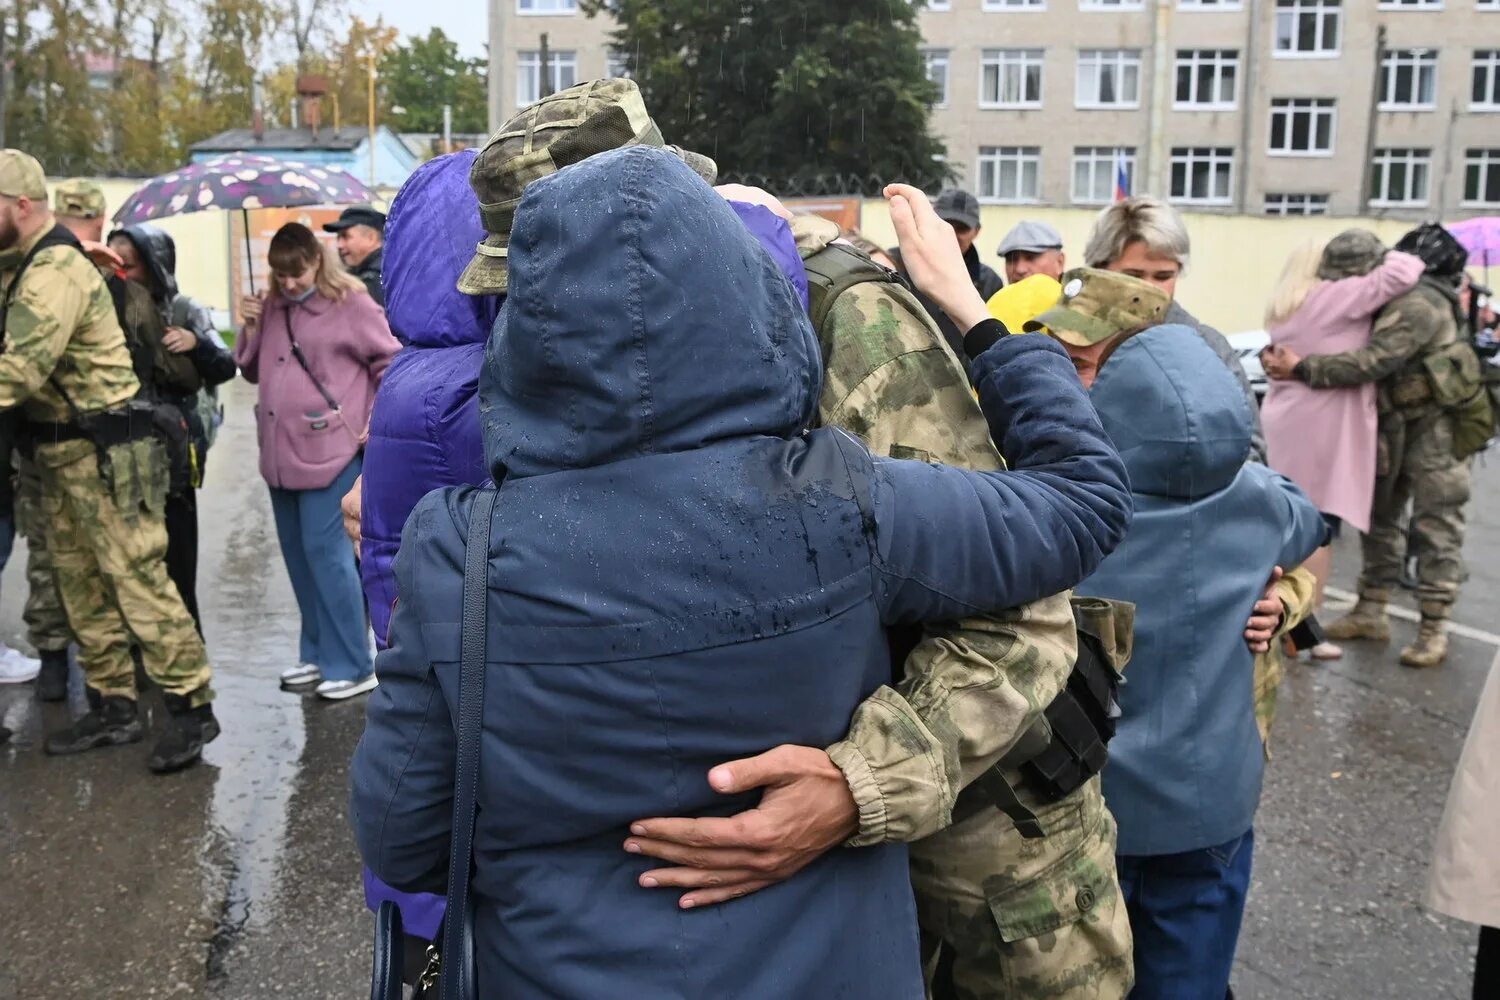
point(108, 543)
point(1022, 919)
point(1416, 464)
point(46, 623)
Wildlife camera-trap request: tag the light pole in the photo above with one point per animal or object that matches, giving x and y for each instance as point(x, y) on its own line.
point(372, 117)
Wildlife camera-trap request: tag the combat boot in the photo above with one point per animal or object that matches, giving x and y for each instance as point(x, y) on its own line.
point(1431, 647)
point(111, 721)
point(1368, 620)
point(52, 682)
point(188, 729)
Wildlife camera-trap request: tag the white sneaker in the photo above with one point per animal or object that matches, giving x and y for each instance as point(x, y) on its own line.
point(339, 690)
point(303, 675)
point(16, 667)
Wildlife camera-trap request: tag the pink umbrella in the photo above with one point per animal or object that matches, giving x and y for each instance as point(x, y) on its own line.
point(1481, 237)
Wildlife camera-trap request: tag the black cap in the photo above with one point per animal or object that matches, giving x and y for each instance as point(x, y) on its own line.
point(957, 206)
point(359, 215)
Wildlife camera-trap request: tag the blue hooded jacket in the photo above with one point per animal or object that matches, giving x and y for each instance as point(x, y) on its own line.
point(679, 576)
point(424, 428)
point(1186, 762)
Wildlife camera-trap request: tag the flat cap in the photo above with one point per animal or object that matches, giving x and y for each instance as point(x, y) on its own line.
point(359, 215)
point(1030, 237)
point(957, 206)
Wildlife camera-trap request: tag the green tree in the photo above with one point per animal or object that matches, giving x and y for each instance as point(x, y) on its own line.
point(817, 95)
point(424, 74)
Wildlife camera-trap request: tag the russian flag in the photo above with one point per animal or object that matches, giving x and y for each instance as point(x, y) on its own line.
point(1122, 176)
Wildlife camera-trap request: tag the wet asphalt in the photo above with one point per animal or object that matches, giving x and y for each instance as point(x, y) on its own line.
point(238, 878)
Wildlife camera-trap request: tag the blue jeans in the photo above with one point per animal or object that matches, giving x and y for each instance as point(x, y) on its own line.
point(1185, 912)
point(320, 560)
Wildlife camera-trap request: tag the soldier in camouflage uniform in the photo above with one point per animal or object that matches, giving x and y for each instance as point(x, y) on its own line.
point(103, 481)
point(1415, 457)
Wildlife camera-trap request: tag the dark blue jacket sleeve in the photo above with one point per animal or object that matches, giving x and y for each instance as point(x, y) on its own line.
point(210, 357)
point(952, 543)
point(403, 770)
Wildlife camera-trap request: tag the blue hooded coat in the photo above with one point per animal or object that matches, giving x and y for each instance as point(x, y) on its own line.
point(1186, 762)
point(679, 576)
point(424, 428)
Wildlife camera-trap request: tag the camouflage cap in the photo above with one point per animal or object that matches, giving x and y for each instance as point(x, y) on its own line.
point(78, 199)
point(1096, 305)
point(1351, 253)
point(21, 176)
point(539, 140)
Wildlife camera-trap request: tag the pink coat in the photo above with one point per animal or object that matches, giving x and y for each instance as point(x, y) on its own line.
point(1324, 439)
point(304, 446)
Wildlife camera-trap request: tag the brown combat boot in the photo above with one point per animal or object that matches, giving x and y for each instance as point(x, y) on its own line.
point(1368, 620)
point(1431, 647)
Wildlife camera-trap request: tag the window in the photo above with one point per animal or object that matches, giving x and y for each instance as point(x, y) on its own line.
point(1010, 173)
point(1110, 5)
point(1109, 78)
point(1302, 126)
point(1408, 79)
point(1096, 173)
point(1482, 177)
point(1210, 5)
point(1296, 204)
point(1489, 4)
point(1010, 78)
point(1307, 28)
point(1026, 5)
point(564, 73)
point(546, 6)
point(1206, 78)
point(615, 66)
point(935, 65)
point(1411, 4)
point(937, 4)
point(1486, 93)
point(1399, 176)
point(1202, 174)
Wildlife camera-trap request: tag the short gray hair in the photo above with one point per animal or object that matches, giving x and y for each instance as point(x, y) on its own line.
point(1141, 217)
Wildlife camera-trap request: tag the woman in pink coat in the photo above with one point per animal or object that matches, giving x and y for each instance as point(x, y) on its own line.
point(317, 346)
point(1324, 439)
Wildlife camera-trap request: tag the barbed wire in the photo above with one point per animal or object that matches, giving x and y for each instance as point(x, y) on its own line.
point(830, 185)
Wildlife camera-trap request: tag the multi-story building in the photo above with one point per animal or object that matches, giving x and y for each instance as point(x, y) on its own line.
point(1295, 107)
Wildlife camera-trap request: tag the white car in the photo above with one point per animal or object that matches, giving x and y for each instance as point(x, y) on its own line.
point(1248, 346)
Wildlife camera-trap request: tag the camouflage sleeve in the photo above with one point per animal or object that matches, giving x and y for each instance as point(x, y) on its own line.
point(42, 317)
point(969, 689)
point(1396, 338)
point(1296, 591)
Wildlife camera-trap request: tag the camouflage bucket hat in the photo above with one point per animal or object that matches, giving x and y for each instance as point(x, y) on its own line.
point(1096, 305)
point(557, 131)
point(1350, 254)
point(78, 199)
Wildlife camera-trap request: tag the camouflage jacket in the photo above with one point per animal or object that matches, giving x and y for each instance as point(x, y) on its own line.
point(61, 325)
point(1296, 591)
point(970, 689)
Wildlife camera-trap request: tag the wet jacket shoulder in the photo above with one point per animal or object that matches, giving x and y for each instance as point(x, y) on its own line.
point(1178, 316)
point(209, 362)
point(61, 324)
point(1408, 328)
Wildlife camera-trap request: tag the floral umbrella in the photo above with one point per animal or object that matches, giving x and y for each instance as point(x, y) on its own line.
point(241, 181)
point(1481, 237)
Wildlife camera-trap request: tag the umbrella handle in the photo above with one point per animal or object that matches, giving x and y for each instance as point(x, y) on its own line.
point(249, 264)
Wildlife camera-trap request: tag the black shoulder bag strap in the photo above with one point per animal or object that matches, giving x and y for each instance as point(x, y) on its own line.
point(333, 404)
point(457, 981)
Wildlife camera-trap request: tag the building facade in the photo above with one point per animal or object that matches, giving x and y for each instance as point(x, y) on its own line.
point(1280, 107)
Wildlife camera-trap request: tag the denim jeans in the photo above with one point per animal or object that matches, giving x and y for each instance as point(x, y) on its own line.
point(1185, 913)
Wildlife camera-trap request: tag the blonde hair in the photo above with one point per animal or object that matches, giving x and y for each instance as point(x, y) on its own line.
point(1298, 279)
point(1139, 218)
point(294, 248)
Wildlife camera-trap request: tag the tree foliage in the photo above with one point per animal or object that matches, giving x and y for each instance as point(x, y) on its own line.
point(427, 73)
point(789, 92)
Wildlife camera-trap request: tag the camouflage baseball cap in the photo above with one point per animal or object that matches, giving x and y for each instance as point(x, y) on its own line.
point(540, 140)
point(21, 176)
point(1096, 305)
point(1350, 254)
point(78, 199)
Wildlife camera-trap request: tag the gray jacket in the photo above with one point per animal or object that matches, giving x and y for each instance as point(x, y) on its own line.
point(1178, 316)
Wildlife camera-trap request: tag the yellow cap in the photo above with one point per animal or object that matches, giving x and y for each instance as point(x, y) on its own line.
point(1019, 304)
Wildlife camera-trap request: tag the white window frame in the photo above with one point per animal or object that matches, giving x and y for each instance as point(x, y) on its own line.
point(1418, 61)
point(1486, 62)
point(1410, 5)
point(1014, 6)
point(1021, 158)
point(1417, 160)
point(529, 73)
point(1121, 62)
point(1493, 5)
point(1221, 60)
point(546, 8)
point(1315, 108)
point(1111, 5)
point(1326, 10)
point(1005, 59)
point(1488, 162)
point(1213, 157)
point(1210, 6)
point(615, 66)
point(1095, 159)
point(940, 6)
point(933, 57)
point(1295, 203)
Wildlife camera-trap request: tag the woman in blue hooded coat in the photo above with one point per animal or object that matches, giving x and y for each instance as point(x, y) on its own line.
point(679, 575)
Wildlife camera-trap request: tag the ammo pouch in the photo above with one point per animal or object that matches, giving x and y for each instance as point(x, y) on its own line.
point(1477, 419)
point(168, 424)
point(1452, 371)
point(1068, 745)
point(135, 421)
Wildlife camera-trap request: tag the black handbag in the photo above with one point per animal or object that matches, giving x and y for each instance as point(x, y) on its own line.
point(456, 952)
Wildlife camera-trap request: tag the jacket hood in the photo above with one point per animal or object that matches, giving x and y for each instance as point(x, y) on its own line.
point(643, 318)
point(159, 253)
point(430, 236)
point(1175, 412)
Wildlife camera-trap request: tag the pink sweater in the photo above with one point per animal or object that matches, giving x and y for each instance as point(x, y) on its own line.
point(1324, 439)
point(304, 446)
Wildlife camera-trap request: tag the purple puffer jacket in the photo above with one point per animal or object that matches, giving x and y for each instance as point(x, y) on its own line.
point(424, 431)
